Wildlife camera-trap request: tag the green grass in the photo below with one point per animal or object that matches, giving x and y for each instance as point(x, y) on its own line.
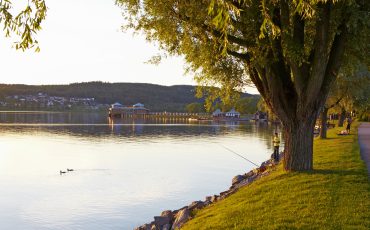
point(335, 195)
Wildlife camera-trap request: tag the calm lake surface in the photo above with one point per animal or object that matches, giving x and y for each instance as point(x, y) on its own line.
point(126, 172)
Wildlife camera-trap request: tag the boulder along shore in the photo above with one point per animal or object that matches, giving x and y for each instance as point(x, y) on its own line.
point(171, 220)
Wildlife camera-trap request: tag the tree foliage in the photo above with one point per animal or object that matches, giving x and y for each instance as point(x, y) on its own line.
point(195, 107)
point(291, 50)
point(247, 105)
point(349, 89)
point(350, 86)
point(23, 24)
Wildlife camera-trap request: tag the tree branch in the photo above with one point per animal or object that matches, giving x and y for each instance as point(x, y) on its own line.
point(231, 38)
point(298, 31)
point(320, 58)
point(243, 56)
point(253, 74)
point(337, 102)
point(335, 60)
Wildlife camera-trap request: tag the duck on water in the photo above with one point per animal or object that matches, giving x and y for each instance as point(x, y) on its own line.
point(63, 172)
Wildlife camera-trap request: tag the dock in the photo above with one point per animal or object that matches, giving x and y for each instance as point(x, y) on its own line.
point(130, 113)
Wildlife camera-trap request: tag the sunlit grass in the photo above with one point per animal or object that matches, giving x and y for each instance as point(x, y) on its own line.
point(335, 195)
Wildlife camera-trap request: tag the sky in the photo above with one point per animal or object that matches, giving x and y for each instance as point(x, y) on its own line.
point(82, 41)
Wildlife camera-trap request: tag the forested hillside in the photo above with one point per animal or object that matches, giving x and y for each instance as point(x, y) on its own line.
point(155, 97)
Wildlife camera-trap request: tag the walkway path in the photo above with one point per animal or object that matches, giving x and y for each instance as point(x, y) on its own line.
point(364, 140)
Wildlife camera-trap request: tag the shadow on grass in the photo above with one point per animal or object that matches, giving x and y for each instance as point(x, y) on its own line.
point(344, 172)
point(332, 138)
point(328, 138)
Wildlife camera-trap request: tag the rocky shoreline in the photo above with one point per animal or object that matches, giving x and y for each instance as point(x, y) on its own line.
point(171, 220)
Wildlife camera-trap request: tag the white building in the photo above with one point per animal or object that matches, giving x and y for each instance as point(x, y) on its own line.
point(138, 105)
point(217, 113)
point(233, 113)
point(117, 105)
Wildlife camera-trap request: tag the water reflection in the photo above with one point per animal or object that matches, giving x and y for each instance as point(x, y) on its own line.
point(127, 171)
point(98, 125)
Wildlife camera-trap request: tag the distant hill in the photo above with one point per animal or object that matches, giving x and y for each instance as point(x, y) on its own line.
point(155, 97)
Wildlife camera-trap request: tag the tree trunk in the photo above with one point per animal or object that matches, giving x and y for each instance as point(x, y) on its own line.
point(342, 117)
point(324, 120)
point(298, 151)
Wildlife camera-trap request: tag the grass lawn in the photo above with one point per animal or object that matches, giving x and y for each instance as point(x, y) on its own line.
point(335, 195)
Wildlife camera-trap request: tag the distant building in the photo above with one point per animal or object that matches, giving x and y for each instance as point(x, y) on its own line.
point(50, 103)
point(259, 115)
point(118, 110)
point(139, 109)
point(232, 114)
point(218, 113)
point(138, 105)
point(117, 106)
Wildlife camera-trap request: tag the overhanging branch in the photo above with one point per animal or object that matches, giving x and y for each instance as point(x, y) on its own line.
point(243, 56)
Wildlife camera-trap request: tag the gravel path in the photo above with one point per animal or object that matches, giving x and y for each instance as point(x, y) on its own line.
point(364, 141)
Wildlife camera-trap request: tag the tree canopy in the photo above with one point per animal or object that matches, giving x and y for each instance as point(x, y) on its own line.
point(195, 107)
point(23, 24)
point(291, 50)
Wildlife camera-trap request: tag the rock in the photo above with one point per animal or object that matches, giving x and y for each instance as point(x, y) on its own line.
point(242, 183)
point(249, 174)
point(224, 193)
point(237, 179)
point(265, 173)
point(160, 221)
point(181, 218)
point(166, 227)
point(227, 193)
point(214, 198)
point(232, 191)
point(262, 169)
point(144, 227)
point(196, 205)
point(252, 178)
point(265, 163)
point(175, 212)
point(169, 214)
point(207, 202)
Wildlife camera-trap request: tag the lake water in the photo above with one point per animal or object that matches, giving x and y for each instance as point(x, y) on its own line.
point(126, 172)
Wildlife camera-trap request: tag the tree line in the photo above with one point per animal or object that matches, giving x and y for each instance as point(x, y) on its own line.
point(154, 97)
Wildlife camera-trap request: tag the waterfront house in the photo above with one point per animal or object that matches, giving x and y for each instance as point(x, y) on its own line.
point(118, 110)
point(117, 106)
point(139, 108)
point(260, 116)
point(218, 113)
point(232, 114)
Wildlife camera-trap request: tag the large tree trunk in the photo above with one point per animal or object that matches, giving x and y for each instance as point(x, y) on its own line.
point(296, 92)
point(298, 151)
point(342, 117)
point(324, 121)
